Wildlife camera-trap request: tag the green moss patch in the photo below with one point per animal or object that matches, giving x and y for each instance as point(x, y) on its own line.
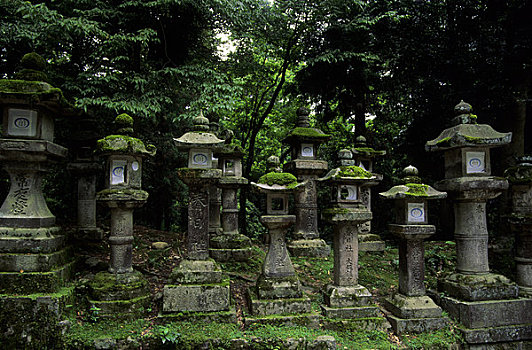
point(353, 171)
point(124, 144)
point(309, 133)
point(282, 179)
point(417, 190)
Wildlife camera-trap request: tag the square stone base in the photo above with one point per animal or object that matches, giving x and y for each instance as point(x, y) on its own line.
point(352, 312)
point(224, 255)
point(504, 337)
point(196, 297)
point(417, 325)
point(489, 313)
point(370, 243)
point(478, 287)
point(412, 307)
point(278, 288)
point(315, 248)
point(197, 272)
point(279, 306)
point(35, 282)
point(347, 296)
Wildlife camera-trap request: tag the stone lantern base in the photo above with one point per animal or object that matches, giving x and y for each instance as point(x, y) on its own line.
point(230, 247)
point(197, 286)
point(348, 302)
point(120, 295)
point(370, 242)
point(414, 314)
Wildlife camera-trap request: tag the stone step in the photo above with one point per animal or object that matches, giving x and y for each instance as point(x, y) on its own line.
point(309, 320)
point(503, 334)
point(315, 248)
point(217, 317)
point(121, 309)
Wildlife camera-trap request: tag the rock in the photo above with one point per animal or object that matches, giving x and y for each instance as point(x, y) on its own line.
point(160, 245)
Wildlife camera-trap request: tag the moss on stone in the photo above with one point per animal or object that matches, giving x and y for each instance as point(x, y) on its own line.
point(282, 179)
point(443, 141)
point(33, 60)
point(309, 133)
point(353, 171)
point(124, 120)
point(417, 190)
point(124, 144)
point(122, 194)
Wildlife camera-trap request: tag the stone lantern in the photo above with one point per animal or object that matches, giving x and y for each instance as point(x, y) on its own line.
point(473, 294)
point(123, 193)
point(363, 156)
point(197, 284)
point(230, 245)
point(345, 297)
point(33, 256)
point(304, 142)
point(85, 167)
point(278, 290)
point(412, 310)
point(520, 178)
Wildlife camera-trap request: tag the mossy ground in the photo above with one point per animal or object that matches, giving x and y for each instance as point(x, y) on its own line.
point(377, 271)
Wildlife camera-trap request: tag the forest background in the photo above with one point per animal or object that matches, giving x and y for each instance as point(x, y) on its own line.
point(391, 70)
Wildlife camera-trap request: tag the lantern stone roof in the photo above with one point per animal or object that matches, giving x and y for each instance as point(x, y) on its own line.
point(467, 133)
point(412, 188)
point(229, 150)
point(124, 144)
point(30, 87)
point(361, 149)
point(199, 136)
point(303, 132)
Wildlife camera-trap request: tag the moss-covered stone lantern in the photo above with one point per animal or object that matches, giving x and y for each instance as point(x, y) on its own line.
point(364, 157)
point(278, 290)
point(33, 257)
point(520, 179)
point(473, 294)
point(122, 288)
point(412, 310)
point(197, 284)
point(345, 297)
point(304, 142)
point(231, 245)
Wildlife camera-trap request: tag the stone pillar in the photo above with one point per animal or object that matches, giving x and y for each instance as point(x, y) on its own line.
point(198, 217)
point(520, 178)
point(345, 247)
point(215, 195)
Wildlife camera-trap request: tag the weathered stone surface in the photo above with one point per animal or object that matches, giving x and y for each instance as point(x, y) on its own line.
point(118, 287)
point(417, 325)
point(35, 282)
point(478, 287)
point(506, 334)
point(16, 262)
point(231, 254)
point(196, 298)
point(230, 241)
point(308, 320)
point(197, 239)
point(412, 307)
point(493, 313)
point(347, 296)
point(277, 263)
point(322, 342)
point(273, 288)
point(215, 317)
point(33, 321)
point(42, 240)
point(316, 248)
point(197, 272)
point(285, 306)
point(370, 245)
point(351, 312)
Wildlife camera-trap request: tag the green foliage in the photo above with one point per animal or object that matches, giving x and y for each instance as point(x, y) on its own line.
point(440, 339)
point(440, 259)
